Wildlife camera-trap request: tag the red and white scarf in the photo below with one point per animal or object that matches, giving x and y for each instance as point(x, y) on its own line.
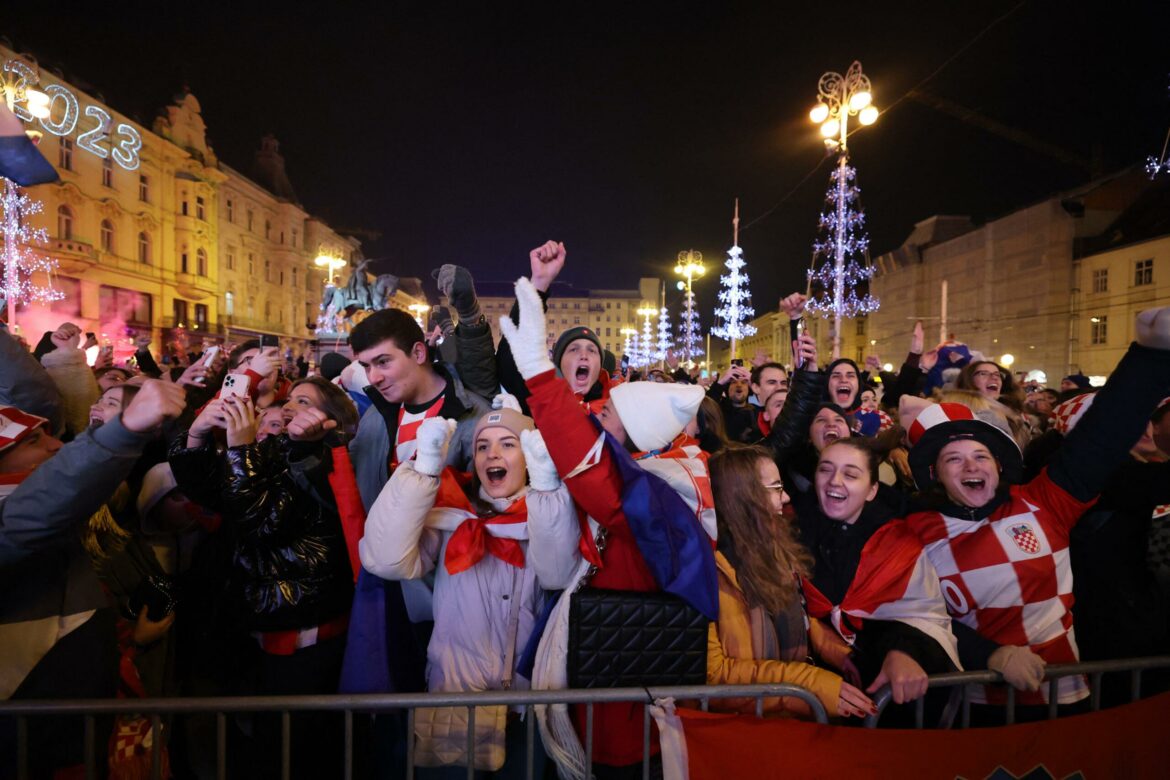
point(474, 536)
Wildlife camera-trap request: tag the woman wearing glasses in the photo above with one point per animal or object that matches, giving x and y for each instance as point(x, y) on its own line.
point(763, 634)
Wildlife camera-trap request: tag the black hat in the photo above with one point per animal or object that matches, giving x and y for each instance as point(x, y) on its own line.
point(332, 364)
point(569, 336)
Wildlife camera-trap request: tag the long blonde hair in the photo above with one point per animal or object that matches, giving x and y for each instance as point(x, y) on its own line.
point(768, 555)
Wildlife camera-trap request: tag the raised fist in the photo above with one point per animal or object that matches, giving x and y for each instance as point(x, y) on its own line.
point(547, 261)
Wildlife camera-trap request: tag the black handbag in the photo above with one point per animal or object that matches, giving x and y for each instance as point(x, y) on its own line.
point(621, 638)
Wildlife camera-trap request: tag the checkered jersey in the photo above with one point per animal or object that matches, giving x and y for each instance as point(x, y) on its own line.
point(1008, 576)
point(405, 444)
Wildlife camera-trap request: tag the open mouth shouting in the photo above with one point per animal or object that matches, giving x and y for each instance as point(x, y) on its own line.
point(843, 395)
point(496, 475)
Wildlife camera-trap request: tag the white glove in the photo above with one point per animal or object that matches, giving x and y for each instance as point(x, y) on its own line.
point(1153, 328)
point(506, 401)
point(431, 442)
point(1023, 669)
point(542, 472)
point(527, 339)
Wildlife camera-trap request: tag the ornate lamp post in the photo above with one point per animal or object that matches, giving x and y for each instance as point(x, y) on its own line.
point(329, 262)
point(840, 97)
point(690, 267)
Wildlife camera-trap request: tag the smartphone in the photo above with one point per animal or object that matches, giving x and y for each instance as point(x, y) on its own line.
point(268, 340)
point(89, 334)
point(208, 356)
point(235, 384)
point(798, 361)
point(737, 362)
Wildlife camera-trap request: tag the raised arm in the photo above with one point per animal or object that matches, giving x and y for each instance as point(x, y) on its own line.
point(25, 384)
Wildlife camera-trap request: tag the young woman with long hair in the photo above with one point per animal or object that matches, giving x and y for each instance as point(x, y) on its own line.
point(763, 633)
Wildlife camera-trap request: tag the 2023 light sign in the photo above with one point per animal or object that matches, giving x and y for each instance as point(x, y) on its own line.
point(66, 117)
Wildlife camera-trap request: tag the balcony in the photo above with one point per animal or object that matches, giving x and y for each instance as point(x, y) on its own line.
point(193, 287)
point(73, 257)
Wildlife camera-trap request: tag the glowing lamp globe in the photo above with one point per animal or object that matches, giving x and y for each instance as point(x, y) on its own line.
point(1007, 359)
point(819, 113)
point(38, 103)
point(860, 101)
point(830, 128)
point(868, 115)
point(682, 285)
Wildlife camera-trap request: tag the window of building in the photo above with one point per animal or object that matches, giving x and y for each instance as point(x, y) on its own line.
point(282, 236)
point(231, 211)
point(294, 276)
point(184, 206)
point(1099, 329)
point(183, 263)
point(267, 229)
point(608, 331)
point(107, 236)
point(120, 304)
point(65, 155)
point(200, 208)
point(607, 304)
point(64, 223)
point(108, 172)
point(251, 308)
point(1143, 272)
point(294, 238)
point(144, 188)
point(229, 303)
point(267, 270)
point(144, 248)
point(251, 218)
point(267, 310)
point(179, 309)
point(1101, 280)
point(230, 258)
point(576, 320)
point(282, 278)
point(251, 264)
point(576, 305)
point(201, 262)
point(201, 316)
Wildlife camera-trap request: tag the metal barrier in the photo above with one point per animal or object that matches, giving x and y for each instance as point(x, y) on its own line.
point(1052, 674)
point(380, 703)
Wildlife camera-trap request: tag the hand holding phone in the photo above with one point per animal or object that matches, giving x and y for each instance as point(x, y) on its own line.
point(235, 385)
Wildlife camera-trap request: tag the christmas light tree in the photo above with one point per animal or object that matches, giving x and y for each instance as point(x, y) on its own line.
point(21, 260)
point(690, 336)
point(665, 341)
point(735, 298)
point(646, 345)
point(840, 263)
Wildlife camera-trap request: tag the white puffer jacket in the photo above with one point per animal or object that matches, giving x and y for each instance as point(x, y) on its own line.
point(472, 608)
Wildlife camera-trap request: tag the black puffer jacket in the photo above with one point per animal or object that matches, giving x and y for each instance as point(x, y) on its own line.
point(290, 569)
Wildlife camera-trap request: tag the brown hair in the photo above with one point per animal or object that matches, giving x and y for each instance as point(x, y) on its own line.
point(710, 418)
point(768, 555)
point(335, 403)
point(873, 456)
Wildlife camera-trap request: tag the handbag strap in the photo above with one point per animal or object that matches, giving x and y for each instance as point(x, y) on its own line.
point(513, 628)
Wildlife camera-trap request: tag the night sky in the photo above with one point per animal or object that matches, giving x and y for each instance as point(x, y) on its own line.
point(470, 133)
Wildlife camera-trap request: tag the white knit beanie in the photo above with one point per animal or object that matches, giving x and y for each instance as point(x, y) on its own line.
point(653, 414)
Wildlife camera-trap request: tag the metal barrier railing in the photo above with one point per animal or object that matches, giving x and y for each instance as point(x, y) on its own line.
point(1052, 675)
point(364, 704)
point(370, 704)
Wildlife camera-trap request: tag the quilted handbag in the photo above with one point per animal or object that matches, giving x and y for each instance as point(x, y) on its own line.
point(620, 638)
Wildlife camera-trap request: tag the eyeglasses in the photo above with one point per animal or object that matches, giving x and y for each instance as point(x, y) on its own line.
point(988, 374)
point(775, 487)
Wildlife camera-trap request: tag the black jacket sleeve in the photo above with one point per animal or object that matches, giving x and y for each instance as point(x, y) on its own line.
point(790, 433)
point(475, 359)
point(909, 379)
point(1101, 441)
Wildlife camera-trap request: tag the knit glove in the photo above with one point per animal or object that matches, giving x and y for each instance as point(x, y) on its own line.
point(1153, 328)
point(542, 472)
point(434, 434)
point(506, 401)
point(1023, 669)
point(527, 339)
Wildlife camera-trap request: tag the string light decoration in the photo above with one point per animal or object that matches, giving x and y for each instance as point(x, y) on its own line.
point(665, 340)
point(21, 260)
point(690, 336)
point(646, 344)
point(1160, 164)
point(734, 296)
point(842, 251)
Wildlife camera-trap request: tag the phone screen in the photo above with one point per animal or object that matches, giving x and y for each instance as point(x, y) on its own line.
point(267, 340)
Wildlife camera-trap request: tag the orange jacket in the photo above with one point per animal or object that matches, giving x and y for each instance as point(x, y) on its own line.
point(734, 659)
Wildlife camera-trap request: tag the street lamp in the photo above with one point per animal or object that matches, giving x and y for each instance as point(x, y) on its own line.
point(418, 310)
point(838, 98)
point(329, 262)
point(645, 356)
point(630, 334)
point(690, 267)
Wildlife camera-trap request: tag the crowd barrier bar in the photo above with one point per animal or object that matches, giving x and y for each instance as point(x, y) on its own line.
point(22, 710)
point(1052, 674)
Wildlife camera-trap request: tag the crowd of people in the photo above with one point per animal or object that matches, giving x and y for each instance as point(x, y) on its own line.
point(431, 513)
